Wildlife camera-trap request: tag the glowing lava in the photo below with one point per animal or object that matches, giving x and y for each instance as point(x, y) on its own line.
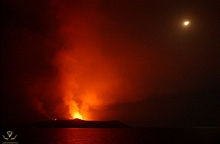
point(77, 115)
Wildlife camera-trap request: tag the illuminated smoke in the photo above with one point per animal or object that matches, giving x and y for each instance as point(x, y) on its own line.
point(63, 58)
point(88, 79)
point(96, 65)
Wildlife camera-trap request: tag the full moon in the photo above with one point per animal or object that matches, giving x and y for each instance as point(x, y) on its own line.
point(186, 23)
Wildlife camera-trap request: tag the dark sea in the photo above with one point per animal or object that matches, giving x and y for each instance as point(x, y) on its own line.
point(115, 135)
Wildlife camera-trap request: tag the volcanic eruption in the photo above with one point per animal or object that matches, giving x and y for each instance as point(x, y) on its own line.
point(86, 80)
point(77, 115)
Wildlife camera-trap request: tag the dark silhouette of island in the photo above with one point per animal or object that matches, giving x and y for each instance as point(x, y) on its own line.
point(78, 123)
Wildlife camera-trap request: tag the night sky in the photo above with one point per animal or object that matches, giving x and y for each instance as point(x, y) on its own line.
point(128, 60)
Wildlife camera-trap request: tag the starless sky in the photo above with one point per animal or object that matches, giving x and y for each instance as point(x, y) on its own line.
point(111, 59)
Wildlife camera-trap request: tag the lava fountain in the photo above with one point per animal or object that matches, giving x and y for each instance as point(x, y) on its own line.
point(77, 115)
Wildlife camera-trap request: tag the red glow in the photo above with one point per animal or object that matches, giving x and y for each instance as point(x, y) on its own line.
point(86, 77)
point(89, 76)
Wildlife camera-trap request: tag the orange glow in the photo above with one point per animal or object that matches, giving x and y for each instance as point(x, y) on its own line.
point(94, 64)
point(87, 78)
point(77, 115)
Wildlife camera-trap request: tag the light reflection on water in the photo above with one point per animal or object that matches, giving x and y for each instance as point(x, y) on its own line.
point(81, 136)
point(111, 136)
point(85, 136)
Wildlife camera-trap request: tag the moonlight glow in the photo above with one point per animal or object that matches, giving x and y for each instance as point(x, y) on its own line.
point(186, 23)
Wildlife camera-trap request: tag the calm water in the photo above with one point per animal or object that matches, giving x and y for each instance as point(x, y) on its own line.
point(112, 136)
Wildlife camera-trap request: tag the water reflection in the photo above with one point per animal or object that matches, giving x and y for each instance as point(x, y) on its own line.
point(78, 136)
point(110, 135)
